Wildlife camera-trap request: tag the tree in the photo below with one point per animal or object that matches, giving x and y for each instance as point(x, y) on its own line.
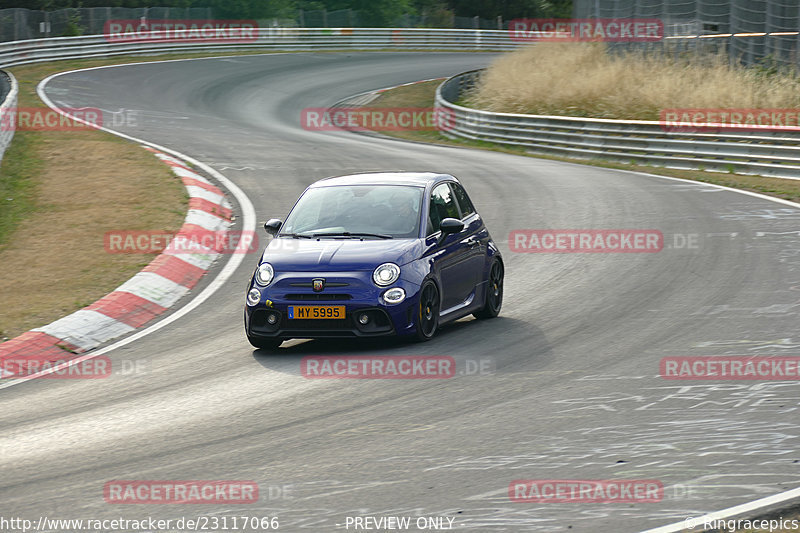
point(370, 12)
point(511, 9)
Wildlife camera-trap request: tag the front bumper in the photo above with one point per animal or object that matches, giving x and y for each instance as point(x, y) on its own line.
point(355, 291)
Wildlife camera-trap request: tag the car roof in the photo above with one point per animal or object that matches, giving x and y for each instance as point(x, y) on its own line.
point(416, 179)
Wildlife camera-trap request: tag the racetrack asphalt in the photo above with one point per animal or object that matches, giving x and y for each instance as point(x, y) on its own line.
point(573, 391)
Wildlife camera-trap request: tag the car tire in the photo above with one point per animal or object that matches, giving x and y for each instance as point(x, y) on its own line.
point(265, 343)
point(494, 292)
point(428, 311)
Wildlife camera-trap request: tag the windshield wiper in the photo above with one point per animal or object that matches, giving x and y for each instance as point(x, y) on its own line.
point(349, 234)
point(296, 235)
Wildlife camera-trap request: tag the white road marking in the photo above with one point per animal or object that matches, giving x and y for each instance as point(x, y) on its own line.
point(248, 224)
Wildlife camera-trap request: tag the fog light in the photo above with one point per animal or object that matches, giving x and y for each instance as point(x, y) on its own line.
point(394, 295)
point(254, 296)
point(272, 318)
point(363, 318)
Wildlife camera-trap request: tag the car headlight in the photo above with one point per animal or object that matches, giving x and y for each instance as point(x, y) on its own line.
point(395, 295)
point(254, 296)
point(264, 274)
point(386, 274)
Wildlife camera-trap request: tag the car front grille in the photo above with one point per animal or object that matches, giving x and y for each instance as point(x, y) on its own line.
point(318, 297)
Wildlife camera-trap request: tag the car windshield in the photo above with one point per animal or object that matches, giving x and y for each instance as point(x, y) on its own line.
point(363, 211)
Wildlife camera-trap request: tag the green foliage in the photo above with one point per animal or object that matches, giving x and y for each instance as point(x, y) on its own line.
point(247, 9)
point(511, 9)
point(74, 27)
point(435, 14)
point(770, 66)
point(372, 12)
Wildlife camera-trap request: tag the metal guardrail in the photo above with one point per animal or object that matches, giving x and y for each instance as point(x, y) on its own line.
point(770, 153)
point(7, 108)
point(271, 38)
point(766, 153)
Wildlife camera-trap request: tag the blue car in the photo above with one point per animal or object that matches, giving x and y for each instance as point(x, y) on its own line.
point(365, 255)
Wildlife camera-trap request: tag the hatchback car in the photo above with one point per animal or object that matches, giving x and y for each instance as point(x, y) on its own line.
point(390, 253)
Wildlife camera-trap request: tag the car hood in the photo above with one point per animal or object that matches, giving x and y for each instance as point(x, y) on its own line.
point(285, 253)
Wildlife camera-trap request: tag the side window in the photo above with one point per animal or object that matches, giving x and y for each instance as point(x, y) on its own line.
point(463, 200)
point(443, 205)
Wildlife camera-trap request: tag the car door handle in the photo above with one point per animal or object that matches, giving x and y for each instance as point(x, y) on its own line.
point(471, 242)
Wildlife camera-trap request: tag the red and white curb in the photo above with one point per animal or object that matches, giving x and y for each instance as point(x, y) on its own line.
point(159, 286)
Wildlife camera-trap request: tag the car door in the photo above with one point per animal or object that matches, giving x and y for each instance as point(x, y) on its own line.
point(475, 238)
point(451, 255)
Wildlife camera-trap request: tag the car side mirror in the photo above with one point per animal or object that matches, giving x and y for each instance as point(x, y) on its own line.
point(273, 225)
point(450, 226)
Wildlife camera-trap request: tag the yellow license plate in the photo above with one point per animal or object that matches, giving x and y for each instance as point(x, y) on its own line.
point(316, 311)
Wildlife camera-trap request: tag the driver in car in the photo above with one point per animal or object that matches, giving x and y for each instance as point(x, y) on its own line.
point(403, 217)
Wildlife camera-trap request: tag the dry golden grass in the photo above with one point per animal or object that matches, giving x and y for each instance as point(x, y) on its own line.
point(582, 79)
point(82, 184)
point(55, 262)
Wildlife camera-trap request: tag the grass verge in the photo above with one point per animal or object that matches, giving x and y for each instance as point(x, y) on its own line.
point(423, 95)
point(17, 187)
point(67, 188)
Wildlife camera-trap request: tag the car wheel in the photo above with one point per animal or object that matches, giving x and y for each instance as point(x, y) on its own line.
point(265, 343)
point(428, 312)
point(494, 292)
